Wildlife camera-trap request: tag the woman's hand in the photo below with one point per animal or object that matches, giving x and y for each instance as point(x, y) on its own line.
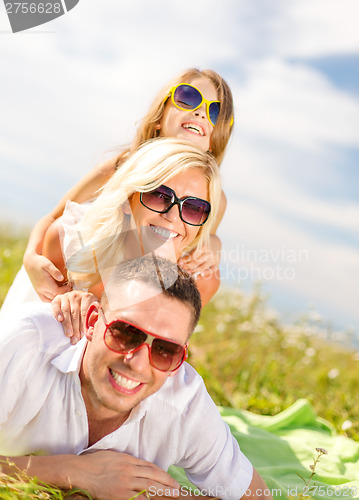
point(44, 276)
point(70, 309)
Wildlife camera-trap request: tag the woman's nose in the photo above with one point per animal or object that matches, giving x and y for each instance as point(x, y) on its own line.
point(173, 214)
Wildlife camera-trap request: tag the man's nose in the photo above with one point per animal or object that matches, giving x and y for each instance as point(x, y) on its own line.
point(138, 360)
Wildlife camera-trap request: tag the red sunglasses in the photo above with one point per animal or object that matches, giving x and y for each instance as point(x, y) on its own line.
point(123, 337)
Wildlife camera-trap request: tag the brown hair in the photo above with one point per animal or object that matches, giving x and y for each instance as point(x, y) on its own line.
point(148, 129)
point(168, 277)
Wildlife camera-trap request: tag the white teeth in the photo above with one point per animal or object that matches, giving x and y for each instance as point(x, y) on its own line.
point(194, 128)
point(165, 233)
point(123, 381)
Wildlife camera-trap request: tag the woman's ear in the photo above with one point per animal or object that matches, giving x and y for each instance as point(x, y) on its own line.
point(126, 208)
point(91, 319)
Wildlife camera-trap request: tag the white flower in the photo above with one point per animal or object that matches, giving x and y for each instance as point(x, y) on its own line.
point(333, 373)
point(347, 424)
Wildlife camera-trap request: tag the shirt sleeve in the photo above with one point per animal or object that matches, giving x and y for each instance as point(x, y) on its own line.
point(19, 345)
point(211, 456)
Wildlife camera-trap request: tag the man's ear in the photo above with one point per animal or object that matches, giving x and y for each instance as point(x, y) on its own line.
point(91, 319)
point(171, 374)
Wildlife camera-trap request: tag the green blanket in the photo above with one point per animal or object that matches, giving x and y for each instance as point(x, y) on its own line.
point(282, 447)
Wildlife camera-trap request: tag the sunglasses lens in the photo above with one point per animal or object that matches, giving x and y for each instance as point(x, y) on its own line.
point(122, 337)
point(195, 211)
point(166, 356)
point(213, 112)
point(187, 97)
point(158, 200)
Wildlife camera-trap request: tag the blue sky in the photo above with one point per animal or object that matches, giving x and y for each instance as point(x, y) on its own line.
point(73, 89)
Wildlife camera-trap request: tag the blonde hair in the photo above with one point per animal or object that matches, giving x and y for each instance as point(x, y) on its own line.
point(148, 127)
point(103, 228)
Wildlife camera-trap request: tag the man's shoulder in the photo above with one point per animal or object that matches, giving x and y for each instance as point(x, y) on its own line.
point(183, 389)
point(34, 323)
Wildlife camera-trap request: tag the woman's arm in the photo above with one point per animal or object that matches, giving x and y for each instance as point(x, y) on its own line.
point(43, 273)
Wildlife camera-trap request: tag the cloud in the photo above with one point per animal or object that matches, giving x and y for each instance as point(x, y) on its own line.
point(295, 104)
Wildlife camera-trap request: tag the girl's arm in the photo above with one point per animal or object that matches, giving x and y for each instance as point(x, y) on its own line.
point(204, 264)
point(43, 274)
point(220, 213)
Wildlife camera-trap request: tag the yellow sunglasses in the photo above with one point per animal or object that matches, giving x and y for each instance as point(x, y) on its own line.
point(187, 97)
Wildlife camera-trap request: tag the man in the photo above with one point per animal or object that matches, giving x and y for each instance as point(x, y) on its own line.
point(115, 411)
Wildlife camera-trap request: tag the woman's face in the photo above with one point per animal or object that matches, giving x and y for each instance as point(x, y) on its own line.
point(166, 233)
point(190, 125)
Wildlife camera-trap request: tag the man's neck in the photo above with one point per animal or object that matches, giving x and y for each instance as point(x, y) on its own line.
point(100, 427)
point(101, 420)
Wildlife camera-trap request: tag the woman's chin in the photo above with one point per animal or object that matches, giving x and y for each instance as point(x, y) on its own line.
point(167, 251)
point(160, 246)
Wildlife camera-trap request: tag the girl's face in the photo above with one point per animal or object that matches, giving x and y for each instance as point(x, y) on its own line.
point(190, 125)
point(166, 233)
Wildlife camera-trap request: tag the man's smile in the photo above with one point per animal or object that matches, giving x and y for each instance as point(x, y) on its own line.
point(123, 384)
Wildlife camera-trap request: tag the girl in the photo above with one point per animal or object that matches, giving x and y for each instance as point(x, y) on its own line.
point(196, 106)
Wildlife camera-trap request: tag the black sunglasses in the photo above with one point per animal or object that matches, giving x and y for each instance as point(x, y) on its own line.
point(193, 211)
point(123, 337)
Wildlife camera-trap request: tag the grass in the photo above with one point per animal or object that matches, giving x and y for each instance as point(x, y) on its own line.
point(20, 487)
point(249, 359)
point(11, 251)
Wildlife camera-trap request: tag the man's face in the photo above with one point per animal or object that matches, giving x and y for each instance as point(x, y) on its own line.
point(113, 384)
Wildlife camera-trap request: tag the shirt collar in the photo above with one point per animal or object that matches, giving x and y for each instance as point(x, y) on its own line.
point(70, 359)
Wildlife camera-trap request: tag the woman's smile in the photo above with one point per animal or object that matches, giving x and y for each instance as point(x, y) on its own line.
point(163, 233)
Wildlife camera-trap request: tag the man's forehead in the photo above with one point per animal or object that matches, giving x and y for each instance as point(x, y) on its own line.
point(149, 308)
point(132, 294)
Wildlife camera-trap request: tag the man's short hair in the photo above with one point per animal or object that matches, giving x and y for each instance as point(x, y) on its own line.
point(168, 277)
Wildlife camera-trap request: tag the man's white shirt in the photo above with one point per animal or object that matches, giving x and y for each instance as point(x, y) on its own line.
point(42, 410)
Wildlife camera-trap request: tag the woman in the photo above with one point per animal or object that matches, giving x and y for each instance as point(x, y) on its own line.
point(164, 199)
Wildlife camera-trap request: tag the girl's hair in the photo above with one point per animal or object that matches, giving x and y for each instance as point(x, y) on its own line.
point(103, 228)
point(222, 131)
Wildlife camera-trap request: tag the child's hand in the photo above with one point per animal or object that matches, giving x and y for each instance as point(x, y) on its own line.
point(70, 309)
point(45, 277)
point(200, 262)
